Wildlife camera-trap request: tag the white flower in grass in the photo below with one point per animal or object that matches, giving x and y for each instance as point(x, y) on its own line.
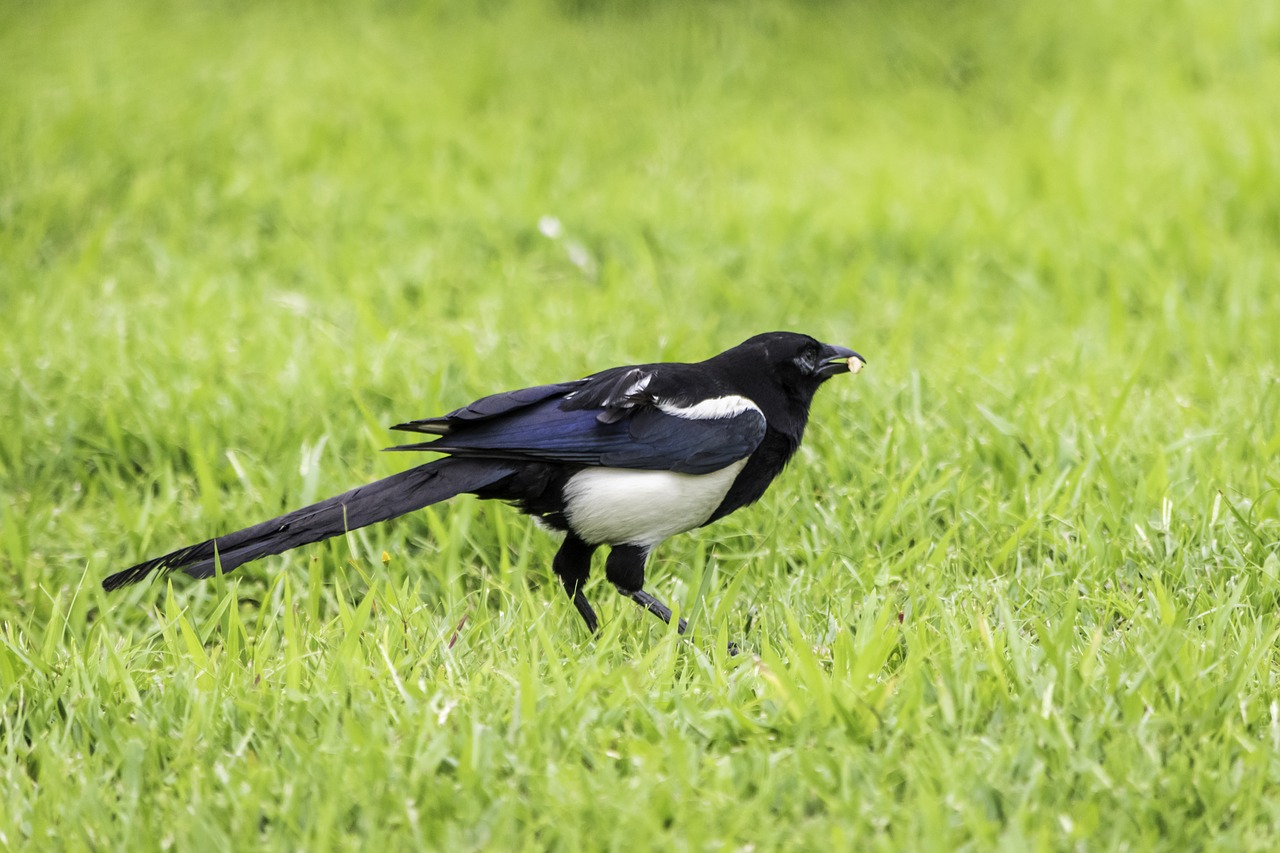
point(581, 258)
point(550, 227)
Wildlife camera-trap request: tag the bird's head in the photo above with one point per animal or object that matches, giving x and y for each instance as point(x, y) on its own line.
point(785, 369)
point(796, 361)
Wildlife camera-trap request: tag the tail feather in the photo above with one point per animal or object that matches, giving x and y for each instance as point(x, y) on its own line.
point(385, 499)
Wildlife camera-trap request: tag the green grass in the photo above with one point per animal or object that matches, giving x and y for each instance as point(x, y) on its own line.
point(1019, 589)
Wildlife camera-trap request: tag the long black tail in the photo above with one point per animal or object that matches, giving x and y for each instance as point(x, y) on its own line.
point(396, 495)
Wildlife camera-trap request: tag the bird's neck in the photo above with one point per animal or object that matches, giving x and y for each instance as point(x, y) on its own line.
point(763, 465)
point(786, 412)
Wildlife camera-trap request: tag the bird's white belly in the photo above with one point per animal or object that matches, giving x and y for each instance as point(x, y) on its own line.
point(625, 506)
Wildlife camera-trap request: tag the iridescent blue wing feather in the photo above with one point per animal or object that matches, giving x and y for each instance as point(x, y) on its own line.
point(611, 419)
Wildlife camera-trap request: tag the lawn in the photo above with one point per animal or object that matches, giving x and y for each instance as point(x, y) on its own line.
point(1019, 590)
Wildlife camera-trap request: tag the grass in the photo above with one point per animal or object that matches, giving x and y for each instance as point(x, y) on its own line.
point(1018, 591)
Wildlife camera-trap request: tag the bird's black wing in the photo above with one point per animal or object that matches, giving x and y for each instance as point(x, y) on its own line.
point(616, 419)
point(492, 406)
point(616, 392)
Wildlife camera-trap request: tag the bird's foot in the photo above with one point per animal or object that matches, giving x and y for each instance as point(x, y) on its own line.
point(657, 608)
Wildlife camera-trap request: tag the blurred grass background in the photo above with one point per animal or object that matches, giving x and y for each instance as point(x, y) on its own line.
point(1018, 590)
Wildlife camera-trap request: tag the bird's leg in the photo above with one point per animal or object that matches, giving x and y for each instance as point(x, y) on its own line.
point(654, 606)
point(588, 615)
point(572, 564)
point(625, 570)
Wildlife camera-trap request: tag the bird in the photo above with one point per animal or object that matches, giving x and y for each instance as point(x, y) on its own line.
point(625, 458)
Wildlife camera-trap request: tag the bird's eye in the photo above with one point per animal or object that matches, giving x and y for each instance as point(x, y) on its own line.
point(807, 360)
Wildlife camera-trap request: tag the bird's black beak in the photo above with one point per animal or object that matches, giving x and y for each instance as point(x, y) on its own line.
point(834, 359)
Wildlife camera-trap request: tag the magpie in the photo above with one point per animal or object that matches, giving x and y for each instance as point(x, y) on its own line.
point(626, 457)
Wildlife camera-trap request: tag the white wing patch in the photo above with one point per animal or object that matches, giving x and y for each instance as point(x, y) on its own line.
point(710, 410)
point(638, 386)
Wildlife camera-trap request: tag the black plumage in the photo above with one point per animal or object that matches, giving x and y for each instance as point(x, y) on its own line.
point(625, 458)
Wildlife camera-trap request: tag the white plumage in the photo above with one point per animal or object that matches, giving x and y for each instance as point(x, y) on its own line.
point(709, 410)
point(625, 506)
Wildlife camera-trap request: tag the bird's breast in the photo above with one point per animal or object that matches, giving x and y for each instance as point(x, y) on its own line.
point(625, 506)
